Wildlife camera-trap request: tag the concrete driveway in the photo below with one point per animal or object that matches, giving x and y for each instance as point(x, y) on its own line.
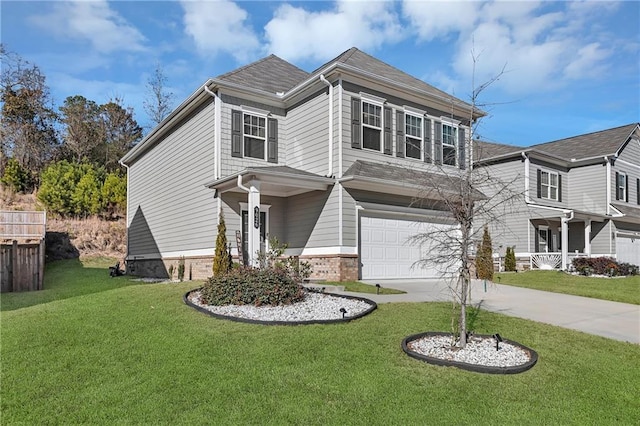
point(619, 321)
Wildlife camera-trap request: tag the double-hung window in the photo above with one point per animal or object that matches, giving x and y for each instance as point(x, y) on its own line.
point(413, 136)
point(449, 140)
point(621, 187)
point(254, 136)
point(549, 185)
point(371, 126)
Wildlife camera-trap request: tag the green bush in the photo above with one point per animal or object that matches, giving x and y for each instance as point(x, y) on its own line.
point(221, 259)
point(114, 193)
point(510, 259)
point(249, 286)
point(484, 258)
point(16, 177)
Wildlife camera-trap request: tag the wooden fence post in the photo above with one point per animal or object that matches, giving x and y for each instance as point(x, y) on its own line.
point(14, 265)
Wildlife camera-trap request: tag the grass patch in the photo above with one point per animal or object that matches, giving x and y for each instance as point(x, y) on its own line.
point(626, 290)
point(359, 287)
point(134, 353)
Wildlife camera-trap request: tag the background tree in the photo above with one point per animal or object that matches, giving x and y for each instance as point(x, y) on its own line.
point(221, 260)
point(83, 129)
point(159, 100)
point(121, 132)
point(16, 177)
point(27, 124)
point(484, 257)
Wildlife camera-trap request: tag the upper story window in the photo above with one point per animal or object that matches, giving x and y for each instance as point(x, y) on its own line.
point(371, 126)
point(413, 136)
point(449, 142)
point(622, 187)
point(254, 136)
point(549, 185)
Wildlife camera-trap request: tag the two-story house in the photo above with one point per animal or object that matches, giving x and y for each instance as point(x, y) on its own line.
point(578, 196)
point(329, 162)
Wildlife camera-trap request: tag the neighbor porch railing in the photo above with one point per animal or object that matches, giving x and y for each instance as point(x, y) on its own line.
point(552, 260)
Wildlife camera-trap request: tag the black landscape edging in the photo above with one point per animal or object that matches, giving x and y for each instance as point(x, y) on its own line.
point(373, 306)
point(533, 356)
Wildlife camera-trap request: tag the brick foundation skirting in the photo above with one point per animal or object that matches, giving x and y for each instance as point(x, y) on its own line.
point(328, 268)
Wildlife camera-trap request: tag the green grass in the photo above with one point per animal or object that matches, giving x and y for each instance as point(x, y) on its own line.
point(122, 352)
point(359, 287)
point(626, 290)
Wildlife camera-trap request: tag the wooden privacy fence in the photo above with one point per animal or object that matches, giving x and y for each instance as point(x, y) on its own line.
point(22, 250)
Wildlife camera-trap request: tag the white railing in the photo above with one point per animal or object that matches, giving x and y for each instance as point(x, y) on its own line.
point(546, 260)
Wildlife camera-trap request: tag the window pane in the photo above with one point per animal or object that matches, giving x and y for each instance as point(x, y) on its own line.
point(448, 135)
point(545, 178)
point(449, 156)
point(553, 178)
point(371, 114)
point(553, 193)
point(413, 148)
point(254, 147)
point(371, 138)
point(413, 126)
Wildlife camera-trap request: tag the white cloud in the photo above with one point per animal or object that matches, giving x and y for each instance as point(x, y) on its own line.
point(220, 26)
point(295, 33)
point(589, 61)
point(94, 22)
point(434, 20)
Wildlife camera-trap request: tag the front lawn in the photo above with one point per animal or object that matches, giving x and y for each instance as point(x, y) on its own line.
point(123, 352)
point(360, 287)
point(623, 289)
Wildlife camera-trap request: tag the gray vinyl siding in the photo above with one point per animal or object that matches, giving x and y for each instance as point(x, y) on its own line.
point(169, 209)
point(350, 155)
point(349, 220)
point(231, 165)
point(629, 163)
point(601, 238)
point(308, 125)
point(588, 191)
point(312, 219)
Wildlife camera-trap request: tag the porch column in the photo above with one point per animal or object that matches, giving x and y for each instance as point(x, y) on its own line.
point(587, 237)
point(253, 234)
point(565, 241)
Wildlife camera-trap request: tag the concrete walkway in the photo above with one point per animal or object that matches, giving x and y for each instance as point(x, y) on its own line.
point(619, 321)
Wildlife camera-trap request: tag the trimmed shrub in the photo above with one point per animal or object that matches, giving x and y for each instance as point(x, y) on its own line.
point(510, 259)
point(222, 259)
point(248, 286)
point(603, 266)
point(484, 259)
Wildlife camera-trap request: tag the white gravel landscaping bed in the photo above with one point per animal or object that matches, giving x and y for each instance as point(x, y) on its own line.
point(478, 351)
point(314, 307)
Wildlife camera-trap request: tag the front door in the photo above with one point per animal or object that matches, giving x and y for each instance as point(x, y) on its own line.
point(245, 232)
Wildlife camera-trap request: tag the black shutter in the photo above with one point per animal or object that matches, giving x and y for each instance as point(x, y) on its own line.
point(236, 133)
point(355, 124)
point(638, 191)
point(427, 141)
point(559, 187)
point(387, 130)
point(400, 142)
point(617, 186)
point(549, 240)
point(536, 249)
point(272, 140)
point(437, 143)
point(461, 149)
point(626, 188)
point(539, 183)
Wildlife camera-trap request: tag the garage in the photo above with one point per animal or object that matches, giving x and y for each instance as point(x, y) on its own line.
point(385, 252)
point(628, 249)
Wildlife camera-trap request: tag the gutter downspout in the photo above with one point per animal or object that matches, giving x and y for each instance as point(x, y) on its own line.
point(127, 213)
point(527, 163)
point(216, 131)
point(565, 239)
point(606, 158)
point(330, 165)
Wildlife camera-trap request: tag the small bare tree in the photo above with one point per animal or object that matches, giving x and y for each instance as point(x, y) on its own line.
point(158, 101)
point(463, 194)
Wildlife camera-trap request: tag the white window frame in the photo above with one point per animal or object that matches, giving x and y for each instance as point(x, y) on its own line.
point(453, 145)
point(259, 116)
point(621, 189)
point(419, 140)
point(378, 103)
point(545, 188)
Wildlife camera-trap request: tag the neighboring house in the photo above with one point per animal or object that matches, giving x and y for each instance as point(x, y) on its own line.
point(329, 162)
point(579, 196)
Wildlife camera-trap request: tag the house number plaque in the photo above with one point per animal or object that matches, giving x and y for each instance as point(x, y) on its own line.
point(256, 217)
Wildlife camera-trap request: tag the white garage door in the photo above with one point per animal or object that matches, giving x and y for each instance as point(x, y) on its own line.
point(628, 249)
point(386, 253)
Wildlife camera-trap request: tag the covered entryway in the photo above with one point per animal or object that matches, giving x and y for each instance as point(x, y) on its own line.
point(628, 249)
point(385, 250)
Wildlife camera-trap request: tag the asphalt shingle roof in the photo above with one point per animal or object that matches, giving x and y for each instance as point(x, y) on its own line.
point(482, 149)
point(589, 145)
point(271, 74)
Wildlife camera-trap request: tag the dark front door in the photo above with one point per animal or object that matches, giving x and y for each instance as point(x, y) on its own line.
point(245, 233)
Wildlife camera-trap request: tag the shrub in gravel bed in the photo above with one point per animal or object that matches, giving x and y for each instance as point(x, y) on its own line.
point(248, 286)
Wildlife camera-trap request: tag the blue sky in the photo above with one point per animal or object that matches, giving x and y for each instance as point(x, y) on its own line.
point(571, 67)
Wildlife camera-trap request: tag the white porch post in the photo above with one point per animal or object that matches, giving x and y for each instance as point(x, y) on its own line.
point(565, 241)
point(253, 237)
point(587, 237)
